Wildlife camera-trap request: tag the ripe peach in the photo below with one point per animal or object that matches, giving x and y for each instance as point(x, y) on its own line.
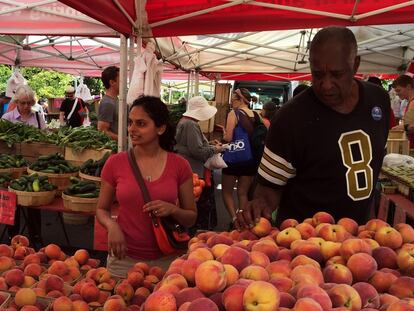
point(288, 223)
point(269, 248)
point(260, 295)
point(349, 224)
point(400, 306)
point(403, 287)
point(283, 284)
point(334, 233)
point(233, 298)
point(306, 230)
point(302, 247)
point(262, 227)
point(6, 263)
point(210, 277)
point(237, 257)
point(343, 295)
point(232, 275)
point(307, 304)
point(33, 270)
point(218, 239)
point(175, 279)
point(286, 254)
point(307, 274)
point(202, 254)
point(362, 266)
point(14, 277)
point(89, 292)
point(353, 246)
point(316, 293)
point(369, 295)
point(62, 304)
point(406, 231)
point(81, 256)
point(58, 268)
point(322, 217)
point(53, 251)
point(125, 290)
point(287, 236)
point(80, 305)
point(219, 249)
point(135, 279)
point(150, 281)
point(286, 300)
point(337, 273)
point(6, 250)
point(160, 301)
point(382, 281)
point(405, 258)
point(256, 273)
point(336, 260)
point(25, 296)
point(259, 258)
point(53, 282)
point(21, 252)
point(389, 237)
point(202, 304)
point(385, 257)
point(28, 281)
point(18, 241)
point(115, 304)
point(187, 294)
point(375, 224)
point(330, 249)
point(374, 244)
point(303, 260)
point(280, 268)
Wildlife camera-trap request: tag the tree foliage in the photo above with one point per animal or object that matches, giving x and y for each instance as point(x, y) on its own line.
point(95, 85)
point(5, 73)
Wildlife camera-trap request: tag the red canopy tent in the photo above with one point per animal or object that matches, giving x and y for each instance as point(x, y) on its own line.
point(161, 18)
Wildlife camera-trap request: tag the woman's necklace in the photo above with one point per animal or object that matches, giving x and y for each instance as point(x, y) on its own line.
point(156, 161)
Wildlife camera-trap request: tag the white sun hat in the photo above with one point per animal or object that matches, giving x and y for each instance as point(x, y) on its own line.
point(199, 109)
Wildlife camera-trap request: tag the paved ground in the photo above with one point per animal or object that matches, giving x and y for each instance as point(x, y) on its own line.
point(81, 236)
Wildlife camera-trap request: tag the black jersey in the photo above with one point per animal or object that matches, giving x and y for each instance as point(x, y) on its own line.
point(326, 160)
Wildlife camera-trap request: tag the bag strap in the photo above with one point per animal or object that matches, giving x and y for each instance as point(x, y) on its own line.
point(245, 121)
point(138, 176)
point(73, 109)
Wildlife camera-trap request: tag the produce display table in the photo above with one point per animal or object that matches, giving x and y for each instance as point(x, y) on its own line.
point(395, 208)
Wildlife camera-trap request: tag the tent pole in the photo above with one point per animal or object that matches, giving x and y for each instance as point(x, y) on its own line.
point(188, 86)
point(196, 83)
point(131, 57)
point(122, 141)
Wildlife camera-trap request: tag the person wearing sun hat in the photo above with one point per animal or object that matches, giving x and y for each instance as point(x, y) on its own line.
point(72, 109)
point(194, 146)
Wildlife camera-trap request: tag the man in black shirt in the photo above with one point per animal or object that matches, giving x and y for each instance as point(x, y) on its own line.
point(72, 109)
point(325, 147)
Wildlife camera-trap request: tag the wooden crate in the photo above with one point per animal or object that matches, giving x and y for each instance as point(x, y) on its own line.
point(396, 134)
point(83, 156)
point(31, 151)
point(4, 149)
point(401, 146)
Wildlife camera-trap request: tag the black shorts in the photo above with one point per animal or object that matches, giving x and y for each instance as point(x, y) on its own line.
point(245, 169)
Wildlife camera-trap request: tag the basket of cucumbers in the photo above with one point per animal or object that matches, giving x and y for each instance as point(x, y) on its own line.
point(91, 169)
point(81, 195)
point(16, 165)
point(56, 168)
point(33, 190)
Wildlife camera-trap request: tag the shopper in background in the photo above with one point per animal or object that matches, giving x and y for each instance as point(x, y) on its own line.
point(404, 88)
point(109, 107)
point(325, 147)
point(24, 98)
point(195, 148)
point(167, 176)
point(239, 176)
point(299, 89)
point(268, 111)
point(377, 81)
point(4, 103)
point(72, 109)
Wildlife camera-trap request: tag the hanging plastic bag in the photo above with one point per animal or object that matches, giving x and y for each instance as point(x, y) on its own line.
point(14, 81)
point(215, 162)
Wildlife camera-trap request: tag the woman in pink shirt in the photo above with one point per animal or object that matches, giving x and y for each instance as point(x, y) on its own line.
point(167, 176)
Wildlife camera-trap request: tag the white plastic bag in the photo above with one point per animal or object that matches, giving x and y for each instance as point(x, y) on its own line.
point(14, 81)
point(215, 162)
point(395, 159)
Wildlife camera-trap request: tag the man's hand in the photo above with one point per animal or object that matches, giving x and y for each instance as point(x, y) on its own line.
point(248, 216)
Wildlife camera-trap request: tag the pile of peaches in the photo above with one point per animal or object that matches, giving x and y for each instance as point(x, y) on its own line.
point(316, 265)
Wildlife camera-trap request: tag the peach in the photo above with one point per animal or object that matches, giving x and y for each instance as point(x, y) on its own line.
point(343, 295)
point(218, 239)
point(53, 282)
point(217, 298)
point(89, 292)
point(353, 246)
point(375, 224)
point(385, 257)
point(125, 290)
point(260, 295)
point(53, 251)
point(14, 277)
point(30, 308)
point(188, 269)
point(334, 233)
point(335, 260)
point(143, 291)
point(21, 252)
point(317, 240)
point(157, 271)
point(150, 281)
point(171, 288)
point(187, 294)
point(80, 305)
point(232, 275)
point(33, 270)
point(176, 279)
point(382, 281)
point(6, 263)
point(330, 249)
point(387, 299)
point(406, 231)
point(303, 260)
point(210, 277)
point(71, 262)
point(256, 273)
point(233, 298)
point(366, 234)
point(405, 258)
point(247, 235)
point(202, 254)
point(102, 275)
point(306, 230)
point(219, 249)
point(58, 268)
point(269, 248)
point(6, 250)
point(280, 268)
point(287, 236)
point(262, 227)
point(286, 300)
point(337, 273)
point(302, 247)
point(115, 304)
point(389, 237)
point(18, 241)
point(286, 254)
point(316, 293)
point(403, 287)
point(62, 304)
point(259, 258)
point(283, 284)
point(31, 258)
point(322, 217)
point(400, 306)
point(307, 274)
point(362, 266)
point(25, 296)
point(288, 223)
point(374, 244)
point(103, 296)
point(349, 224)
point(202, 304)
point(307, 304)
point(81, 256)
point(160, 301)
point(28, 281)
point(135, 279)
point(237, 257)
point(369, 295)
point(184, 306)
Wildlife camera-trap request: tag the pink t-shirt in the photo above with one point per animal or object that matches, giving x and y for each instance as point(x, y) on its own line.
point(135, 224)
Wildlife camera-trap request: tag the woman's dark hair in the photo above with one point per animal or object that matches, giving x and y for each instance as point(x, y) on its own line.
point(159, 113)
point(269, 110)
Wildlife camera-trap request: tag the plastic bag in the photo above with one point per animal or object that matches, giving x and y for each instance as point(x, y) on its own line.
point(215, 162)
point(395, 159)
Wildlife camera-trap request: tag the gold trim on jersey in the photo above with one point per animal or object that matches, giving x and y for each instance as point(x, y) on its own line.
point(275, 169)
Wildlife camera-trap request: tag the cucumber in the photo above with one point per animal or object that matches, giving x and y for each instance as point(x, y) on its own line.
point(86, 195)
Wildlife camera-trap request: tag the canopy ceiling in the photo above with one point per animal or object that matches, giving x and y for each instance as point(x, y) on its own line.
point(162, 18)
